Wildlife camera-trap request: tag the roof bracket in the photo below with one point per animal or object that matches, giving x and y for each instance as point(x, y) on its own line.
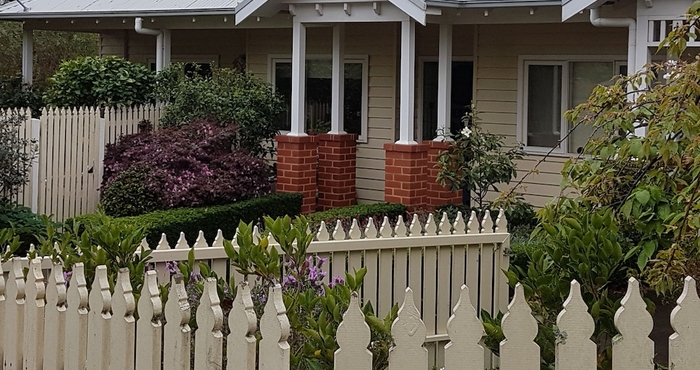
point(292, 9)
point(377, 7)
point(649, 3)
point(346, 8)
point(319, 9)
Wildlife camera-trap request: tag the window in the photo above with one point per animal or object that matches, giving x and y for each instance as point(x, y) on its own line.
point(318, 95)
point(552, 87)
point(462, 80)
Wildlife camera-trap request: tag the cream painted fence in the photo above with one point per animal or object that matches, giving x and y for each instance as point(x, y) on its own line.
point(66, 176)
point(48, 326)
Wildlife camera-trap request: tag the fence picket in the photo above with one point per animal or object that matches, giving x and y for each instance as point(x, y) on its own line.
point(683, 347)
point(34, 317)
point(14, 316)
point(76, 320)
point(176, 349)
point(99, 319)
point(409, 333)
point(123, 324)
point(242, 322)
point(464, 352)
point(576, 350)
point(353, 337)
point(632, 348)
point(519, 351)
point(274, 327)
point(3, 311)
point(149, 328)
point(209, 339)
point(55, 319)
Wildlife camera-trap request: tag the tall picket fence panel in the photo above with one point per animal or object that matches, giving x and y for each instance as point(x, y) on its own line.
point(65, 177)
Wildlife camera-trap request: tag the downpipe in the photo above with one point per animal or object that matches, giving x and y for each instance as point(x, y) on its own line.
point(138, 27)
point(631, 24)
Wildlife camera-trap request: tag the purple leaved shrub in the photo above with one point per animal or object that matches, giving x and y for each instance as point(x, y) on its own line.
point(193, 165)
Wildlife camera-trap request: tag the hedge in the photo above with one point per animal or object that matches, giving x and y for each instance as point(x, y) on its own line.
point(360, 211)
point(207, 219)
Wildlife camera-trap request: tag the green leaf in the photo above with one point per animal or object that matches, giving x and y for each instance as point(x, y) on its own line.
point(643, 197)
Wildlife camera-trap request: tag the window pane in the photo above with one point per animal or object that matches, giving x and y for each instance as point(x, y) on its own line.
point(544, 105)
point(585, 76)
point(462, 80)
point(318, 95)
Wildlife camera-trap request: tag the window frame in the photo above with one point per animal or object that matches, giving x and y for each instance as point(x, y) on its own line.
point(273, 59)
point(565, 61)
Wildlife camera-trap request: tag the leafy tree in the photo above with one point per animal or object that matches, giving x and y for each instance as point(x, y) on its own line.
point(16, 157)
point(226, 97)
point(94, 81)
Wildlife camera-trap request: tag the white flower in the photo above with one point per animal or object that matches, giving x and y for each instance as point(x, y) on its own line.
point(466, 132)
point(667, 76)
point(671, 63)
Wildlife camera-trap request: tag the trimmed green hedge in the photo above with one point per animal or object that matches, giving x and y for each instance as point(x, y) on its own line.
point(360, 211)
point(208, 219)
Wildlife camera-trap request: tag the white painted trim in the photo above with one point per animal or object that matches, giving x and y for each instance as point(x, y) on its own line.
point(338, 81)
point(298, 109)
point(522, 99)
point(345, 12)
point(273, 59)
point(248, 9)
point(407, 84)
point(27, 55)
point(184, 58)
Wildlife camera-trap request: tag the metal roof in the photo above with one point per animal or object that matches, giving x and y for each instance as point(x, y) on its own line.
point(24, 9)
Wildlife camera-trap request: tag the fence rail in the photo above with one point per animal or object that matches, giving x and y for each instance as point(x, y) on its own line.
point(66, 176)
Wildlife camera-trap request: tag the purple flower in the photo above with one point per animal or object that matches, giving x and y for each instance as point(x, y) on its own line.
point(171, 267)
point(195, 276)
point(67, 275)
point(289, 280)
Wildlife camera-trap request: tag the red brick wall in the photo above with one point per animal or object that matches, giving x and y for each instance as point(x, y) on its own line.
point(437, 194)
point(297, 158)
point(406, 174)
point(337, 168)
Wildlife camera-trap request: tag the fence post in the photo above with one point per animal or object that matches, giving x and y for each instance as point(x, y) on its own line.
point(101, 142)
point(34, 180)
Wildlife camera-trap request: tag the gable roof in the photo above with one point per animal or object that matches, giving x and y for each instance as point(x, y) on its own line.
point(106, 8)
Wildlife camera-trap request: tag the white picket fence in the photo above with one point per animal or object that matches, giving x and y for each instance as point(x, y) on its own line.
point(46, 326)
point(65, 178)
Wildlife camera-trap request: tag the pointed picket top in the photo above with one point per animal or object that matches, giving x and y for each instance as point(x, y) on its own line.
point(574, 348)
point(256, 234)
point(501, 222)
point(400, 230)
point(218, 240)
point(353, 337)
point(177, 308)
point(208, 344)
point(150, 304)
point(385, 231)
point(274, 327)
point(77, 293)
point(415, 229)
point(100, 298)
point(143, 247)
point(32, 247)
point(182, 242)
point(177, 331)
point(338, 231)
point(355, 233)
point(56, 292)
point(518, 349)
point(56, 247)
point(15, 284)
point(163, 243)
point(243, 324)
point(431, 228)
point(371, 229)
point(44, 112)
point(122, 332)
point(234, 240)
point(632, 348)
point(473, 226)
point(444, 227)
point(322, 235)
point(465, 332)
point(123, 303)
point(487, 223)
point(35, 289)
point(459, 226)
point(683, 351)
point(408, 331)
point(201, 241)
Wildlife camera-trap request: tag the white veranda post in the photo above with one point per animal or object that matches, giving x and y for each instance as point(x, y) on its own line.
point(444, 83)
point(27, 55)
point(408, 63)
point(338, 81)
point(298, 79)
point(166, 46)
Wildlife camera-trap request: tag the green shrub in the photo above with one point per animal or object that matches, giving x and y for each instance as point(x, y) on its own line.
point(25, 224)
point(227, 97)
point(94, 81)
point(16, 156)
point(360, 211)
point(127, 195)
point(207, 219)
point(16, 94)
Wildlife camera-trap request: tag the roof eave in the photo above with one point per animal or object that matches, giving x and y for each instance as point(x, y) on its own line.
point(491, 4)
point(115, 14)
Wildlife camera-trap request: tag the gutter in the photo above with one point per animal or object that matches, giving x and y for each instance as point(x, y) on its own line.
point(491, 4)
point(631, 24)
point(138, 27)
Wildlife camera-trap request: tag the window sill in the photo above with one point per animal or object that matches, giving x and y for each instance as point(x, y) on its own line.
point(540, 152)
point(360, 139)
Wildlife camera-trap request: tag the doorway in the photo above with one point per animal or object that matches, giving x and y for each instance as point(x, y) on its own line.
point(462, 95)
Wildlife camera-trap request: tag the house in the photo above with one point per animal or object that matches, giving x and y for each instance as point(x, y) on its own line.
point(405, 69)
